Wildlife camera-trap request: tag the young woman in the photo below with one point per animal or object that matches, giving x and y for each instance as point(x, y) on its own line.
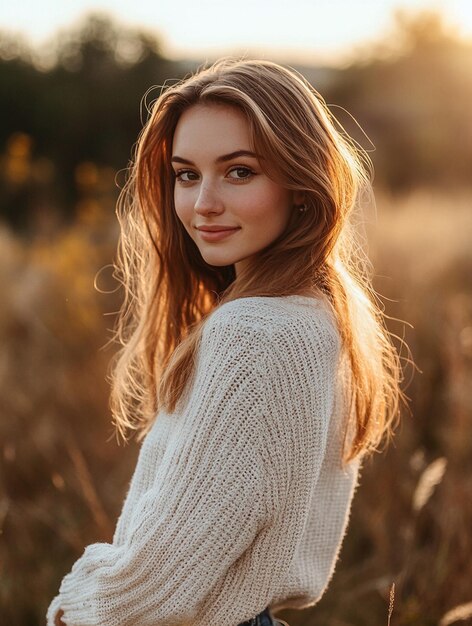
point(255, 364)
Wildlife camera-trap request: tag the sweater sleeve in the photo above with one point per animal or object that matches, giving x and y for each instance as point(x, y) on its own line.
point(207, 504)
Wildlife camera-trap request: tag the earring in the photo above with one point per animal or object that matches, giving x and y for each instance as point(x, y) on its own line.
point(302, 208)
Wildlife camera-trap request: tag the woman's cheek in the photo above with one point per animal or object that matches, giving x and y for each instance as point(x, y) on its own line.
point(183, 207)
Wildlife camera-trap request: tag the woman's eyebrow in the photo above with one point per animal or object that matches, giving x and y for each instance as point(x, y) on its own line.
point(221, 159)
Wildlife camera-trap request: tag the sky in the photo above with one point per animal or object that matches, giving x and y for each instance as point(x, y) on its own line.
point(301, 30)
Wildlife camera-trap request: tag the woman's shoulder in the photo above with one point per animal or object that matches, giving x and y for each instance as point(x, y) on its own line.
point(277, 318)
point(261, 307)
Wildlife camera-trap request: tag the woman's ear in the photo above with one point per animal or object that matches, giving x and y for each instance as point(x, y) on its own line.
point(298, 198)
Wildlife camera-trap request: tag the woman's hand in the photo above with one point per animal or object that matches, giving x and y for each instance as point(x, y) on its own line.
point(58, 621)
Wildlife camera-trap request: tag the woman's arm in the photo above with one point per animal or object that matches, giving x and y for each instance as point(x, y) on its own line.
point(206, 507)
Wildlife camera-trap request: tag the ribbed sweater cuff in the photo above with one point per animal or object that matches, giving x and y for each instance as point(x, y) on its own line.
point(52, 610)
point(77, 602)
point(78, 592)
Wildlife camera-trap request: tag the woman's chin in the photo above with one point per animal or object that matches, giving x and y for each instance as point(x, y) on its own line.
point(218, 260)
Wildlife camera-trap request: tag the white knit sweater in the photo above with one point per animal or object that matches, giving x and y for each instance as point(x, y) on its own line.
point(238, 500)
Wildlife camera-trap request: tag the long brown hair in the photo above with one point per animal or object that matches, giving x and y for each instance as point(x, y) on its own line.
point(169, 288)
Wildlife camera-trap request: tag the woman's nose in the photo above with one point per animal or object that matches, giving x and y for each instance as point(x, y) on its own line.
point(207, 198)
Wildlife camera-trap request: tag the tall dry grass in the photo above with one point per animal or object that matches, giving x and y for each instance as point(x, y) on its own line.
point(63, 476)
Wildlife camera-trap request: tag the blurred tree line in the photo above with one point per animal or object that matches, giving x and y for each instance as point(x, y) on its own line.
point(71, 116)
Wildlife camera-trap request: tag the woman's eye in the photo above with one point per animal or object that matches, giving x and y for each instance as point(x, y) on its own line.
point(183, 176)
point(237, 173)
point(242, 173)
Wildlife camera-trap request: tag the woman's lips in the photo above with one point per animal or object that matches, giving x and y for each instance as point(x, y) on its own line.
point(216, 235)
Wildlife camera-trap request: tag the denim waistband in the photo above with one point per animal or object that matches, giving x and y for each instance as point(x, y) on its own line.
point(263, 619)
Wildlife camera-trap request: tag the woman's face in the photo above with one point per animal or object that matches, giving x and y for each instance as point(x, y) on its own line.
point(219, 184)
